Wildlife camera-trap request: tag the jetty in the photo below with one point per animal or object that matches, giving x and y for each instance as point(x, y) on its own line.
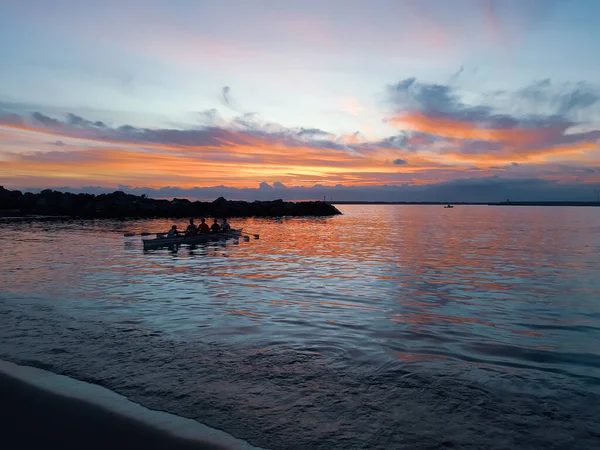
point(118, 204)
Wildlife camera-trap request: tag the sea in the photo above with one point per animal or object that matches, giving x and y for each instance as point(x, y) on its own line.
point(387, 327)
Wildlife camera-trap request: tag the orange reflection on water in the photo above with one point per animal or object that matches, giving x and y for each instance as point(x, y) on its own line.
point(353, 284)
point(529, 333)
point(245, 313)
point(290, 303)
point(410, 357)
point(348, 305)
point(470, 364)
point(429, 318)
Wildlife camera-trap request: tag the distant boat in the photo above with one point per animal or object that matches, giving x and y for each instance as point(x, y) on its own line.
point(448, 206)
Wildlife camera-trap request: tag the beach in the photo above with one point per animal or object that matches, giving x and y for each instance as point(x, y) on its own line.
point(40, 409)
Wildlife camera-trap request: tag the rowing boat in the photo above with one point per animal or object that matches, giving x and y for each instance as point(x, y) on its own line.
point(190, 240)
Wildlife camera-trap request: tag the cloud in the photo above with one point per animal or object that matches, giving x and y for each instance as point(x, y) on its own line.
point(313, 132)
point(209, 117)
point(225, 95)
point(564, 100)
point(456, 75)
point(429, 98)
point(540, 126)
point(229, 101)
point(239, 152)
point(45, 120)
point(540, 102)
point(442, 135)
point(483, 189)
point(78, 121)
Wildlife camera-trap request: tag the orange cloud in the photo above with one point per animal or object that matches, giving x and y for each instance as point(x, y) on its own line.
point(239, 160)
point(218, 156)
point(455, 129)
point(455, 142)
point(539, 155)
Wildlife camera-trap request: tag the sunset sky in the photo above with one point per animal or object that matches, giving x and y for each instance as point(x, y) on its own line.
point(379, 99)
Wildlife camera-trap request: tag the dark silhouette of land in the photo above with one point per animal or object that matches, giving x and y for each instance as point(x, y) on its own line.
point(121, 205)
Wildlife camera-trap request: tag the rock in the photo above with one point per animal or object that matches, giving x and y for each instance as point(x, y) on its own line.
point(10, 213)
point(5, 198)
point(66, 202)
point(27, 201)
point(219, 201)
point(121, 205)
point(42, 202)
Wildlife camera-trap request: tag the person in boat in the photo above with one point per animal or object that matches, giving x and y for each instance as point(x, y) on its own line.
point(191, 229)
point(215, 227)
point(203, 227)
point(173, 232)
point(225, 226)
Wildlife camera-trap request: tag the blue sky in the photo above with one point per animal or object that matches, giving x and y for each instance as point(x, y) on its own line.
point(270, 66)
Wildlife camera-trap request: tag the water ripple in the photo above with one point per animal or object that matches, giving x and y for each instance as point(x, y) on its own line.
point(477, 298)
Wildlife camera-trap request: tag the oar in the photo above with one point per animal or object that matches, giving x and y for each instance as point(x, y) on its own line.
point(145, 233)
point(256, 236)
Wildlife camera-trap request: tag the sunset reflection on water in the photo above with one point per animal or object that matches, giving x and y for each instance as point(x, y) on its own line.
point(505, 288)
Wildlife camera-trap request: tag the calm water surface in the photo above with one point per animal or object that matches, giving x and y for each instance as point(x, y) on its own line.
point(387, 327)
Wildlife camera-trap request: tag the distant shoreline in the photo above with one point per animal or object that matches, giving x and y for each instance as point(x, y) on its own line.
point(525, 203)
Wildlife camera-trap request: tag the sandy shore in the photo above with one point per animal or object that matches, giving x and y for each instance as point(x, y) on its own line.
point(39, 409)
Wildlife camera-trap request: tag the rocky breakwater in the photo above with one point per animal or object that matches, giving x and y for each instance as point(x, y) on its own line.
point(121, 205)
